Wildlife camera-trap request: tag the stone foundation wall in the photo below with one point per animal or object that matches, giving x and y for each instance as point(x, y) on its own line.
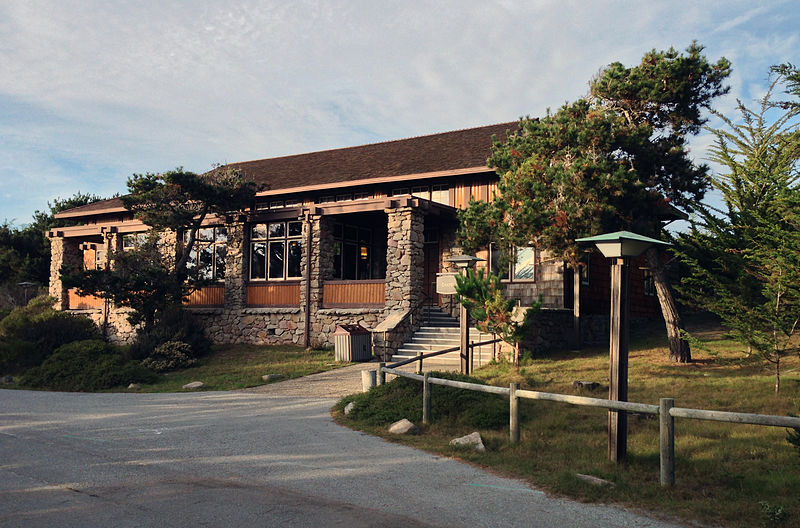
point(116, 327)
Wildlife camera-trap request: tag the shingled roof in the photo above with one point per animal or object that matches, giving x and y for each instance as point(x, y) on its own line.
point(433, 154)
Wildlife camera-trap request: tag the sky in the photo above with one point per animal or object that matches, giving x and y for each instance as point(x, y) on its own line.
point(94, 91)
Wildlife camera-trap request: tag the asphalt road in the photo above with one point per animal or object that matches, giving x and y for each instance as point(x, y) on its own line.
point(242, 459)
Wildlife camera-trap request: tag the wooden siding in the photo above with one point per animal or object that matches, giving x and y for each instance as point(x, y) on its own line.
point(273, 294)
point(207, 296)
point(82, 302)
point(345, 294)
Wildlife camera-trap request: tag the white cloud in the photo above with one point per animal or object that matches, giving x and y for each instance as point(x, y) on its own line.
point(108, 88)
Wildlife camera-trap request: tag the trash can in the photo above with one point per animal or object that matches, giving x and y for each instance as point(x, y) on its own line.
point(352, 342)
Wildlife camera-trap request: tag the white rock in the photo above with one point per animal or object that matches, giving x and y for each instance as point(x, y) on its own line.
point(134, 386)
point(271, 377)
point(194, 385)
point(349, 407)
point(472, 440)
point(595, 481)
point(403, 427)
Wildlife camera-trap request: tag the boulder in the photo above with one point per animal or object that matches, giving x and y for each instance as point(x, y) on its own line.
point(472, 440)
point(403, 426)
point(134, 386)
point(271, 377)
point(590, 385)
point(349, 407)
point(194, 385)
point(7, 380)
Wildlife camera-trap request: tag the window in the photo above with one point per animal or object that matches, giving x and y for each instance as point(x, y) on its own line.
point(521, 268)
point(292, 203)
point(585, 269)
point(325, 199)
point(362, 196)
point(344, 197)
point(276, 250)
point(207, 258)
point(99, 259)
point(353, 254)
point(649, 283)
point(133, 241)
point(421, 192)
point(399, 192)
point(441, 194)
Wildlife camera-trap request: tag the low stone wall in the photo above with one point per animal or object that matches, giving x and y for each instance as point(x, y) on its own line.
point(117, 328)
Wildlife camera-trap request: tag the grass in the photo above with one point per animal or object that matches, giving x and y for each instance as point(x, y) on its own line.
point(231, 367)
point(726, 474)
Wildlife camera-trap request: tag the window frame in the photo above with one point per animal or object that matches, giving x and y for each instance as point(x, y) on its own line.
point(272, 239)
point(217, 242)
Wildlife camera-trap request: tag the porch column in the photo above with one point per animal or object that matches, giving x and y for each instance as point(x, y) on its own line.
point(321, 262)
point(404, 258)
point(237, 268)
point(63, 252)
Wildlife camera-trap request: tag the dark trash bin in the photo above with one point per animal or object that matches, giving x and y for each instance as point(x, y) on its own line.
point(352, 342)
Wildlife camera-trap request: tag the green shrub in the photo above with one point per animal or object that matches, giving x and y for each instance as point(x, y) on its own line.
point(170, 356)
point(29, 334)
point(85, 366)
point(402, 398)
point(4, 312)
point(177, 325)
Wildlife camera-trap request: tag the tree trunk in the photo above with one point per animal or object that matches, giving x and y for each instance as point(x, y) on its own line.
point(679, 351)
point(778, 375)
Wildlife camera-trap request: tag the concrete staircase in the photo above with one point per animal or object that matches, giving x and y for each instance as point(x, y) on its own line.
point(438, 332)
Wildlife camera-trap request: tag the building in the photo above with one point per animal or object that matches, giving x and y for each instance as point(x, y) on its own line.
point(340, 236)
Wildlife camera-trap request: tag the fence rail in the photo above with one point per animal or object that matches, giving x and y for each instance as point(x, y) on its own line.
point(666, 410)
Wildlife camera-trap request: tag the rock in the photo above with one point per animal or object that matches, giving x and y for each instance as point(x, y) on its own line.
point(7, 380)
point(403, 427)
point(349, 407)
point(134, 386)
point(194, 385)
point(594, 481)
point(472, 440)
point(590, 385)
point(271, 377)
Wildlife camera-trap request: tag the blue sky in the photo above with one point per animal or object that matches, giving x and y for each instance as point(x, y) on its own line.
point(93, 91)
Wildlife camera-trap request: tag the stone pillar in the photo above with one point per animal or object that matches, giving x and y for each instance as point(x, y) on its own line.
point(449, 249)
point(237, 269)
point(404, 258)
point(63, 252)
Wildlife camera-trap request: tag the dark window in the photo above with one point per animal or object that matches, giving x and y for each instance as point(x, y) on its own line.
point(649, 283)
point(207, 258)
point(354, 256)
point(276, 250)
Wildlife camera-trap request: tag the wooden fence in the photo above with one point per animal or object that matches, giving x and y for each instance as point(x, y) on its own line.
point(273, 294)
point(353, 294)
point(666, 411)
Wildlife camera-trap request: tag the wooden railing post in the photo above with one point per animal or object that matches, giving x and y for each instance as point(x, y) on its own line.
point(381, 374)
point(426, 399)
point(471, 356)
point(667, 441)
point(513, 413)
point(419, 366)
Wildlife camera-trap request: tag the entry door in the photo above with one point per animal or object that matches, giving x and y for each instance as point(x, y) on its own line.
point(431, 269)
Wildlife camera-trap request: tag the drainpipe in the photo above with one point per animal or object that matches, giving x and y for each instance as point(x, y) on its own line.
point(307, 318)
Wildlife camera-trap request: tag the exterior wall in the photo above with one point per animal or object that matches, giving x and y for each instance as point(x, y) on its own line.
point(63, 252)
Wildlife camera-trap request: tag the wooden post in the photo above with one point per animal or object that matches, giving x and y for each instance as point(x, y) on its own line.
point(471, 362)
point(513, 413)
point(463, 325)
point(426, 399)
point(367, 380)
point(419, 366)
point(381, 374)
point(576, 306)
point(618, 351)
point(667, 440)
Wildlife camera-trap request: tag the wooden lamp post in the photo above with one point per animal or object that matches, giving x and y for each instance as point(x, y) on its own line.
point(619, 247)
point(463, 262)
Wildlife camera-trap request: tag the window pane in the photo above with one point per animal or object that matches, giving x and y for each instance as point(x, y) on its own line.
point(293, 259)
point(206, 234)
point(258, 232)
point(277, 230)
point(524, 264)
point(441, 194)
point(349, 261)
point(191, 262)
point(258, 268)
point(222, 234)
point(364, 261)
point(206, 266)
point(337, 260)
point(337, 231)
point(365, 236)
point(295, 228)
point(350, 233)
point(420, 192)
point(276, 252)
point(221, 253)
point(344, 197)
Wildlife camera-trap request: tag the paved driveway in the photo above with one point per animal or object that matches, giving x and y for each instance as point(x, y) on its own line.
point(242, 459)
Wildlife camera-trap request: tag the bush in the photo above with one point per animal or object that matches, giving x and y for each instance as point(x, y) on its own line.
point(29, 334)
point(170, 356)
point(86, 366)
point(402, 398)
point(177, 325)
